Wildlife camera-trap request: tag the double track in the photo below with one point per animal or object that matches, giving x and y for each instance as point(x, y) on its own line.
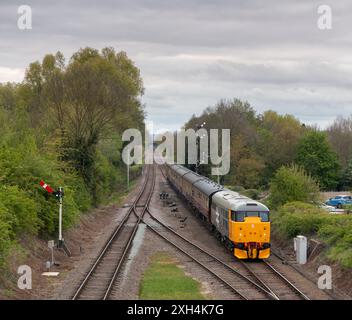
point(246, 283)
point(101, 277)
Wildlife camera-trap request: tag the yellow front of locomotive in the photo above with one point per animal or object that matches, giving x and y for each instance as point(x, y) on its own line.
point(249, 231)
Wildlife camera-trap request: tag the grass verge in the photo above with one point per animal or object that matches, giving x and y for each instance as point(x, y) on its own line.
point(164, 280)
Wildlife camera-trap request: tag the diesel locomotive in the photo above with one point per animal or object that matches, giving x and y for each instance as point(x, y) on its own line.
point(241, 223)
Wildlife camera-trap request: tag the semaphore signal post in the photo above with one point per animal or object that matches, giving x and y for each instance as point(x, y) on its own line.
point(59, 194)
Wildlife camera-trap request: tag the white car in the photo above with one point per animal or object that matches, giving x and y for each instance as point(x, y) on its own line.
point(330, 209)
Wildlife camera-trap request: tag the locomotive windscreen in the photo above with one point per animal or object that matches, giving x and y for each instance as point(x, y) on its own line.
point(239, 216)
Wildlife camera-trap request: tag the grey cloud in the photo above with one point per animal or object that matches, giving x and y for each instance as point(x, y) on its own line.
point(267, 52)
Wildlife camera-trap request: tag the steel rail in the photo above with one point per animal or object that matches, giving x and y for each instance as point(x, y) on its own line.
point(109, 242)
point(212, 256)
point(127, 247)
point(197, 261)
point(288, 282)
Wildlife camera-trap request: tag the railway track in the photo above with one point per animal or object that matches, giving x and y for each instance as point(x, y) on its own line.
point(274, 281)
point(101, 277)
point(262, 275)
point(246, 286)
point(242, 286)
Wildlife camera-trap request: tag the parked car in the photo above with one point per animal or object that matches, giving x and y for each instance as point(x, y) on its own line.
point(330, 209)
point(339, 201)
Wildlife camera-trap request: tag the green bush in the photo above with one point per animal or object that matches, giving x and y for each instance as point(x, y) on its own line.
point(292, 184)
point(21, 211)
point(22, 168)
point(5, 234)
point(297, 218)
point(337, 233)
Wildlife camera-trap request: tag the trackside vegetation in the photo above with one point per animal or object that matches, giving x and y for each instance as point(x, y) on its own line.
point(292, 183)
point(292, 192)
point(164, 280)
point(63, 124)
point(296, 218)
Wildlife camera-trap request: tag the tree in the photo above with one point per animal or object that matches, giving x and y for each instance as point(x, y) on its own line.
point(347, 176)
point(100, 96)
point(241, 119)
point(8, 96)
point(278, 140)
point(315, 155)
point(248, 174)
point(95, 96)
point(292, 183)
point(340, 138)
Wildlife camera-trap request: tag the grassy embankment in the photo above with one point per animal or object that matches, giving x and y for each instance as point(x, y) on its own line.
point(164, 280)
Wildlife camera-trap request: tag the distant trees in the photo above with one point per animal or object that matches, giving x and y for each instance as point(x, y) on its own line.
point(260, 144)
point(316, 156)
point(347, 176)
point(8, 95)
point(241, 119)
point(340, 138)
point(263, 143)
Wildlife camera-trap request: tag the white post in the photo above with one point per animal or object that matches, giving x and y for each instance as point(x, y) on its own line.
point(60, 215)
point(301, 249)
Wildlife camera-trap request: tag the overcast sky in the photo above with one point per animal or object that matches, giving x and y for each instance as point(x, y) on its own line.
point(192, 53)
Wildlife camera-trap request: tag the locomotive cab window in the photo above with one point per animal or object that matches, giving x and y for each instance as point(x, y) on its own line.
point(239, 216)
point(252, 214)
point(264, 216)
